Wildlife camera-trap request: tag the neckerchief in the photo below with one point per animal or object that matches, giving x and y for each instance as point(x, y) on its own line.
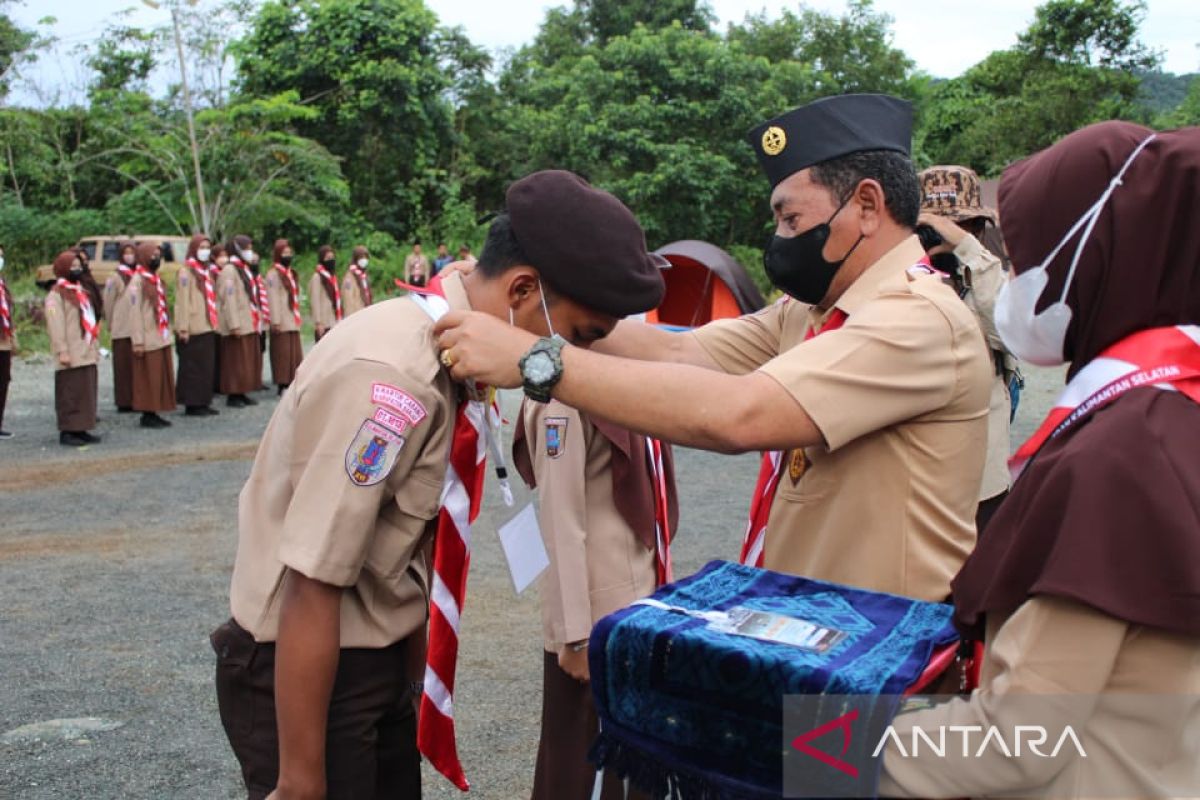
point(126, 272)
point(331, 288)
point(1164, 358)
point(292, 292)
point(360, 276)
point(6, 323)
point(160, 302)
point(251, 287)
point(769, 473)
point(264, 305)
point(204, 275)
point(87, 313)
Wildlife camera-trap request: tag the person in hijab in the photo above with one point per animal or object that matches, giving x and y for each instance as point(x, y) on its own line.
point(120, 322)
point(283, 297)
point(324, 296)
point(8, 341)
point(356, 288)
point(74, 328)
point(196, 329)
point(1088, 582)
point(238, 325)
point(88, 281)
point(150, 332)
point(264, 311)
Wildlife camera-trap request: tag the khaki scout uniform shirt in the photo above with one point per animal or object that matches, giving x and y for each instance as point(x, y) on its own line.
point(1129, 692)
point(900, 394)
point(66, 335)
point(353, 296)
point(416, 265)
point(119, 314)
point(282, 318)
point(986, 276)
point(191, 310)
point(348, 477)
point(597, 562)
point(323, 312)
point(233, 303)
point(143, 299)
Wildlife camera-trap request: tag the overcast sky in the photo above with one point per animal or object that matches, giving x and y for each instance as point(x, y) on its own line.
point(944, 37)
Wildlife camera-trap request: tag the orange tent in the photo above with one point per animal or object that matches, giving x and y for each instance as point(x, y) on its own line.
point(704, 283)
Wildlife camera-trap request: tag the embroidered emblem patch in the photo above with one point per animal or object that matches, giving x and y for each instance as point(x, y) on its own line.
point(387, 419)
point(372, 453)
point(797, 465)
point(400, 401)
point(556, 436)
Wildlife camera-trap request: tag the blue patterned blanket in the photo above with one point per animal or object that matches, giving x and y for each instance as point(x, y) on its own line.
point(689, 711)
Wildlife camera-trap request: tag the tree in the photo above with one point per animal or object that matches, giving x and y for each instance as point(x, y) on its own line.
point(18, 46)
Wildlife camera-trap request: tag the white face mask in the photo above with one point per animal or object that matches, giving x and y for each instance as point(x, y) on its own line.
point(1, 263)
point(129, 258)
point(1041, 338)
point(247, 255)
point(203, 253)
point(545, 311)
point(362, 263)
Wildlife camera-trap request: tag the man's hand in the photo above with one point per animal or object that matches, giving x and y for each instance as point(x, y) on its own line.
point(482, 348)
point(951, 234)
point(465, 267)
point(64, 359)
point(574, 663)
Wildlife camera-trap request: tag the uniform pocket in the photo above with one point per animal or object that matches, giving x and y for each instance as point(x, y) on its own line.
point(235, 650)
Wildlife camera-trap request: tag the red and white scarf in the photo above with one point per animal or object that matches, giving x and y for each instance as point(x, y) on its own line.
point(160, 302)
point(293, 293)
point(1164, 358)
point(204, 275)
point(6, 323)
point(662, 525)
point(260, 299)
point(127, 272)
point(769, 474)
point(361, 278)
point(251, 287)
point(87, 314)
point(331, 280)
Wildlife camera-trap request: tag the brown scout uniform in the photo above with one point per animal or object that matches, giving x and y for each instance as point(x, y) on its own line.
point(323, 313)
point(120, 325)
point(311, 506)
point(75, 385)
point(239, 353)
point(597, 566)
point(353, 296)
point(153, 371)
point(1127, 691)
point(900, 394)
point(286, 349)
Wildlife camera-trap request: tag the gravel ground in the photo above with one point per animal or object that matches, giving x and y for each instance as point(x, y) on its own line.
point(114, 566)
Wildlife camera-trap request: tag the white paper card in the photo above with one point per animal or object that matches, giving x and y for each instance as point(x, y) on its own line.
point(521, 539)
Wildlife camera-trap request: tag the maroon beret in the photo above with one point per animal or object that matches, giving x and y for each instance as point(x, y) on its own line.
point(585, 243)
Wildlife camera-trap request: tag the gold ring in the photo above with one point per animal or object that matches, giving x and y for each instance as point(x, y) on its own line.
point(447, 359)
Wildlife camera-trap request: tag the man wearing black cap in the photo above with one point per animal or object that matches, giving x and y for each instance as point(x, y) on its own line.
point(331, 583)
point(871, 378)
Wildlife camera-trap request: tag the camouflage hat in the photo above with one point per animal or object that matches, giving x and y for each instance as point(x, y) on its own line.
point(953, 192)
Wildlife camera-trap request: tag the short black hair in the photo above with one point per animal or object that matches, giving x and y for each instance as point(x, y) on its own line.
point(894, 172)
point(501, 249)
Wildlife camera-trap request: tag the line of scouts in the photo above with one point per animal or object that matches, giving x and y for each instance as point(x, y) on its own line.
point(226, 315)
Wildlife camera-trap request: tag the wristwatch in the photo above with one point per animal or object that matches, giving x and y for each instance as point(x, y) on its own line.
point(542, 368)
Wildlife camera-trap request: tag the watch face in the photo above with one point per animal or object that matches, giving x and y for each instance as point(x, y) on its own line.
point(539, 368)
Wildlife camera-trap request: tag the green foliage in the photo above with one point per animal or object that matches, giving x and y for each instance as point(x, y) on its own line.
point(32, 237)
point(16, 45)
point(1162, 92)
point(1188, 110)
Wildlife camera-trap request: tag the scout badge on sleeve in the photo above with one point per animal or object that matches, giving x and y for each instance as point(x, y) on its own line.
point(372, 453)
point(797, 465)
point(556, 436)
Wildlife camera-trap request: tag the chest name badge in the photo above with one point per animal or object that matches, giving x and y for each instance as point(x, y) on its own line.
point(556, 436)
point(372, 453)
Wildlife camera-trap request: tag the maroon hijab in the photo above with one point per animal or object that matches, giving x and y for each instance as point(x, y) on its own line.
point(1108, 514)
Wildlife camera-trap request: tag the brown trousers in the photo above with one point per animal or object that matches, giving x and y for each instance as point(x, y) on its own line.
point(122, 369)
point(371, 739)
point(569, 726)
point(286, 355)
point(75, 391)
point(154, 381)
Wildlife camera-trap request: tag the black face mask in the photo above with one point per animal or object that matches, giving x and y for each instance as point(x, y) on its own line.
point(154, 264)
point(75, 274)
point(329, 264)
point(797, 265)
point(285, 261)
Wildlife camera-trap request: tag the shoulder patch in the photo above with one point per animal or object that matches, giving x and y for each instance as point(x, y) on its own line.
point(372, 453)
point(556, 436)
point(387, 419)
point(398, 400)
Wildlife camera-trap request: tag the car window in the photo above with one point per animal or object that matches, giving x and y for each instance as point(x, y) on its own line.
point(168, 252)
point(90, 249)
point(111, 251)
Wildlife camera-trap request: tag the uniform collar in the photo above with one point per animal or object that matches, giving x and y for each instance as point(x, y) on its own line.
point(887, 273)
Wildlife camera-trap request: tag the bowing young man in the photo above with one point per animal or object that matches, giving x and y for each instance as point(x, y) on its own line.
point(319, 667)
point(870, 380)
